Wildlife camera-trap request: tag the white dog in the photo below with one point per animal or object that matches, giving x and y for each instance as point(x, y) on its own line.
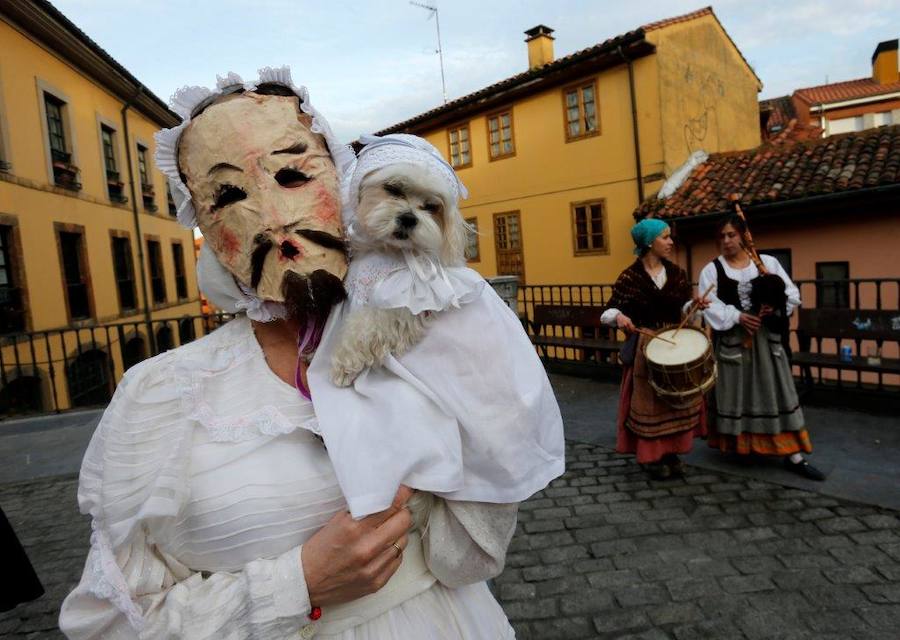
point(424, 377)
point(403, 210)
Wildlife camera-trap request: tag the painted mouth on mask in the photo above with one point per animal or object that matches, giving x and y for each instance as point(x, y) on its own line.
point(289, 250)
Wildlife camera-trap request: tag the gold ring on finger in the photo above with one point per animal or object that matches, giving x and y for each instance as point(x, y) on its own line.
point(398, 548)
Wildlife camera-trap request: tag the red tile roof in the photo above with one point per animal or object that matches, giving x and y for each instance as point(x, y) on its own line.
point(532, 75)
point(785, 172)
point(849, 90)
point(665, 22)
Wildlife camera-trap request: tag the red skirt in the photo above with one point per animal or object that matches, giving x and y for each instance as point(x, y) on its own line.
point(649, 450)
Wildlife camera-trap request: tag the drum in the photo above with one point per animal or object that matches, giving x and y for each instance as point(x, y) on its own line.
point(681, 366)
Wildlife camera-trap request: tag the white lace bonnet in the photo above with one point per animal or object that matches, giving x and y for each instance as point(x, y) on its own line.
point(214, 280)
point(383, 151)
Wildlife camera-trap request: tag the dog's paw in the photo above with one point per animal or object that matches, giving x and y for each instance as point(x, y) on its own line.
point(343, 375)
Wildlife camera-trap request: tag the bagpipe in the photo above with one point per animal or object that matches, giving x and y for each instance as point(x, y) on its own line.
point(767, 289)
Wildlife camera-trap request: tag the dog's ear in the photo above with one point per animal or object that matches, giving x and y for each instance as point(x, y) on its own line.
point(456, 233)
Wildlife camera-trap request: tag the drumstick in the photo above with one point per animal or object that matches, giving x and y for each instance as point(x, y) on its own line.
point(693, 307)
point(650, 334)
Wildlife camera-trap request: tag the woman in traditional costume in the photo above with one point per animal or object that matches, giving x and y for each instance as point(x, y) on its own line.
point(216, 511)
point(757, 410)
point(651, 294)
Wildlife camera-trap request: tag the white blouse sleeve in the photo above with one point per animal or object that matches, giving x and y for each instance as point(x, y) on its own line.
point(790, 289)
point(132, 482)
point(466, 542)
point(164, 599)
point(610, 317)
point(718, 315)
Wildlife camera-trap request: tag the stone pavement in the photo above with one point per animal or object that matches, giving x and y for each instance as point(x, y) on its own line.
point(606, 553)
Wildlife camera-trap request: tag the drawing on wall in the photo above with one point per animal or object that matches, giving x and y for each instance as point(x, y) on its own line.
point(702, 117)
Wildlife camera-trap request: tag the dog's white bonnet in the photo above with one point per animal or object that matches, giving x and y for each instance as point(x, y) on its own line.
point(394, 148)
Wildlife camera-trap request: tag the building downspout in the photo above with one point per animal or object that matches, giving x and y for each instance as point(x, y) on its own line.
point(634, 126)
point(148, 317)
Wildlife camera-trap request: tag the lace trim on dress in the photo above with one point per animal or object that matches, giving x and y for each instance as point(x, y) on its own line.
point(108, 582)
point(267, 420)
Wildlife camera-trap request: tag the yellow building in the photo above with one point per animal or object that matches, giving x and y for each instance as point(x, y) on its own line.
point(92, 259)
point(557, 158)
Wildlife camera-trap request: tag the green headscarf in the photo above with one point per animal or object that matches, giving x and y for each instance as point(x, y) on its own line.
point(645, 232)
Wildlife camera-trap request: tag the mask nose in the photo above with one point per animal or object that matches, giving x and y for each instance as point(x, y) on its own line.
point(407, 220)
point(288, 250)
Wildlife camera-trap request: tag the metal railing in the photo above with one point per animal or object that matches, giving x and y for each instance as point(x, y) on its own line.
point(855, 293)
point(61, 369)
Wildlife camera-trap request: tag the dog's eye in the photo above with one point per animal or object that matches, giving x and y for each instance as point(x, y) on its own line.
point(432, 207)
point(393, 190)
point(291, 178)
point(228, 194)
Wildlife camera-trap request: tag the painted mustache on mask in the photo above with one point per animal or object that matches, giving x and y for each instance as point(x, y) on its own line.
point(264, 244)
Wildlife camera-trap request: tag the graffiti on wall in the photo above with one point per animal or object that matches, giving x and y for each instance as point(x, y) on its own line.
point(699, 108)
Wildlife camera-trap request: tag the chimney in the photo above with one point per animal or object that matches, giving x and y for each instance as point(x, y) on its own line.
point(884, 63)
point(540, 46)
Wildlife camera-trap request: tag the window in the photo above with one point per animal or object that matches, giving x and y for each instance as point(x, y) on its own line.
point(460, 151)
point(157, 276)
point(180, 279)
point(784, 259)
point(75, 274)
point(472, 241)
point(832, 286)
point(500, 135)
point(146, 184)
point(508, 244)
point(124, 270)
point(170, 200)
point(55, 128)
point(65, 174)
point(114, 185)
point(12, 308)
point(589, 227)
point(581, 111)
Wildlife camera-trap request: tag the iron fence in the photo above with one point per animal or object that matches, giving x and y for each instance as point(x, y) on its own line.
point(882, 294)
point(73, 367)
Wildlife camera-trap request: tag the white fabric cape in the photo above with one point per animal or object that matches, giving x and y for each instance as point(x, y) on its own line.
point(467, 414)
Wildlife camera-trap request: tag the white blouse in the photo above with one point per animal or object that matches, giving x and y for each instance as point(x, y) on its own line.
point(202, 490)
point(721, 316)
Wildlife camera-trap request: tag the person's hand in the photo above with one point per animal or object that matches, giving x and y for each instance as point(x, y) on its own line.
point(766, 310)
point(625, 324)
point(700, 302)
point(750, 323)
point(347, 559)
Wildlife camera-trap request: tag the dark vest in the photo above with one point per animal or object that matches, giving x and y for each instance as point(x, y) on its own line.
point(726, 288)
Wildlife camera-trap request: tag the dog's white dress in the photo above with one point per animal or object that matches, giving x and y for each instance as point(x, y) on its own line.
point(203, 480)
point(468, 413)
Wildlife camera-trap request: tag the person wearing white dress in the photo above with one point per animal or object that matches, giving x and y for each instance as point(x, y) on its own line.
point(215, 509)
point(757, 410)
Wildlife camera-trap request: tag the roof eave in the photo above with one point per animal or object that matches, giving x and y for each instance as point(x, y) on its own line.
point(779, 206)
point(633, 46)
point(45, 23)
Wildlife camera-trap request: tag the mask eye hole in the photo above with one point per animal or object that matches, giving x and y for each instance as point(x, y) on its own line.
point(290, 178)
point(228, 194)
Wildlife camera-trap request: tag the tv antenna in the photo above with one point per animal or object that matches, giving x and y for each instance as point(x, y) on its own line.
point(433, 11)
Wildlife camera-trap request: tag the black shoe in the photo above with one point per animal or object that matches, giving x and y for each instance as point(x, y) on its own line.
point(676, 465)
point(804, 469)
point(659, 471)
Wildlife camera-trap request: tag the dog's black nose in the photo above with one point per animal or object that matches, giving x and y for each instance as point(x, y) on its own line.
point(407, 220)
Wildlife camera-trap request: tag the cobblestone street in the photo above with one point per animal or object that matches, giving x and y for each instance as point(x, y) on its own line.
point(606, 553)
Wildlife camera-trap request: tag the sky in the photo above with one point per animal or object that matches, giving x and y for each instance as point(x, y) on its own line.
point(372, 64)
